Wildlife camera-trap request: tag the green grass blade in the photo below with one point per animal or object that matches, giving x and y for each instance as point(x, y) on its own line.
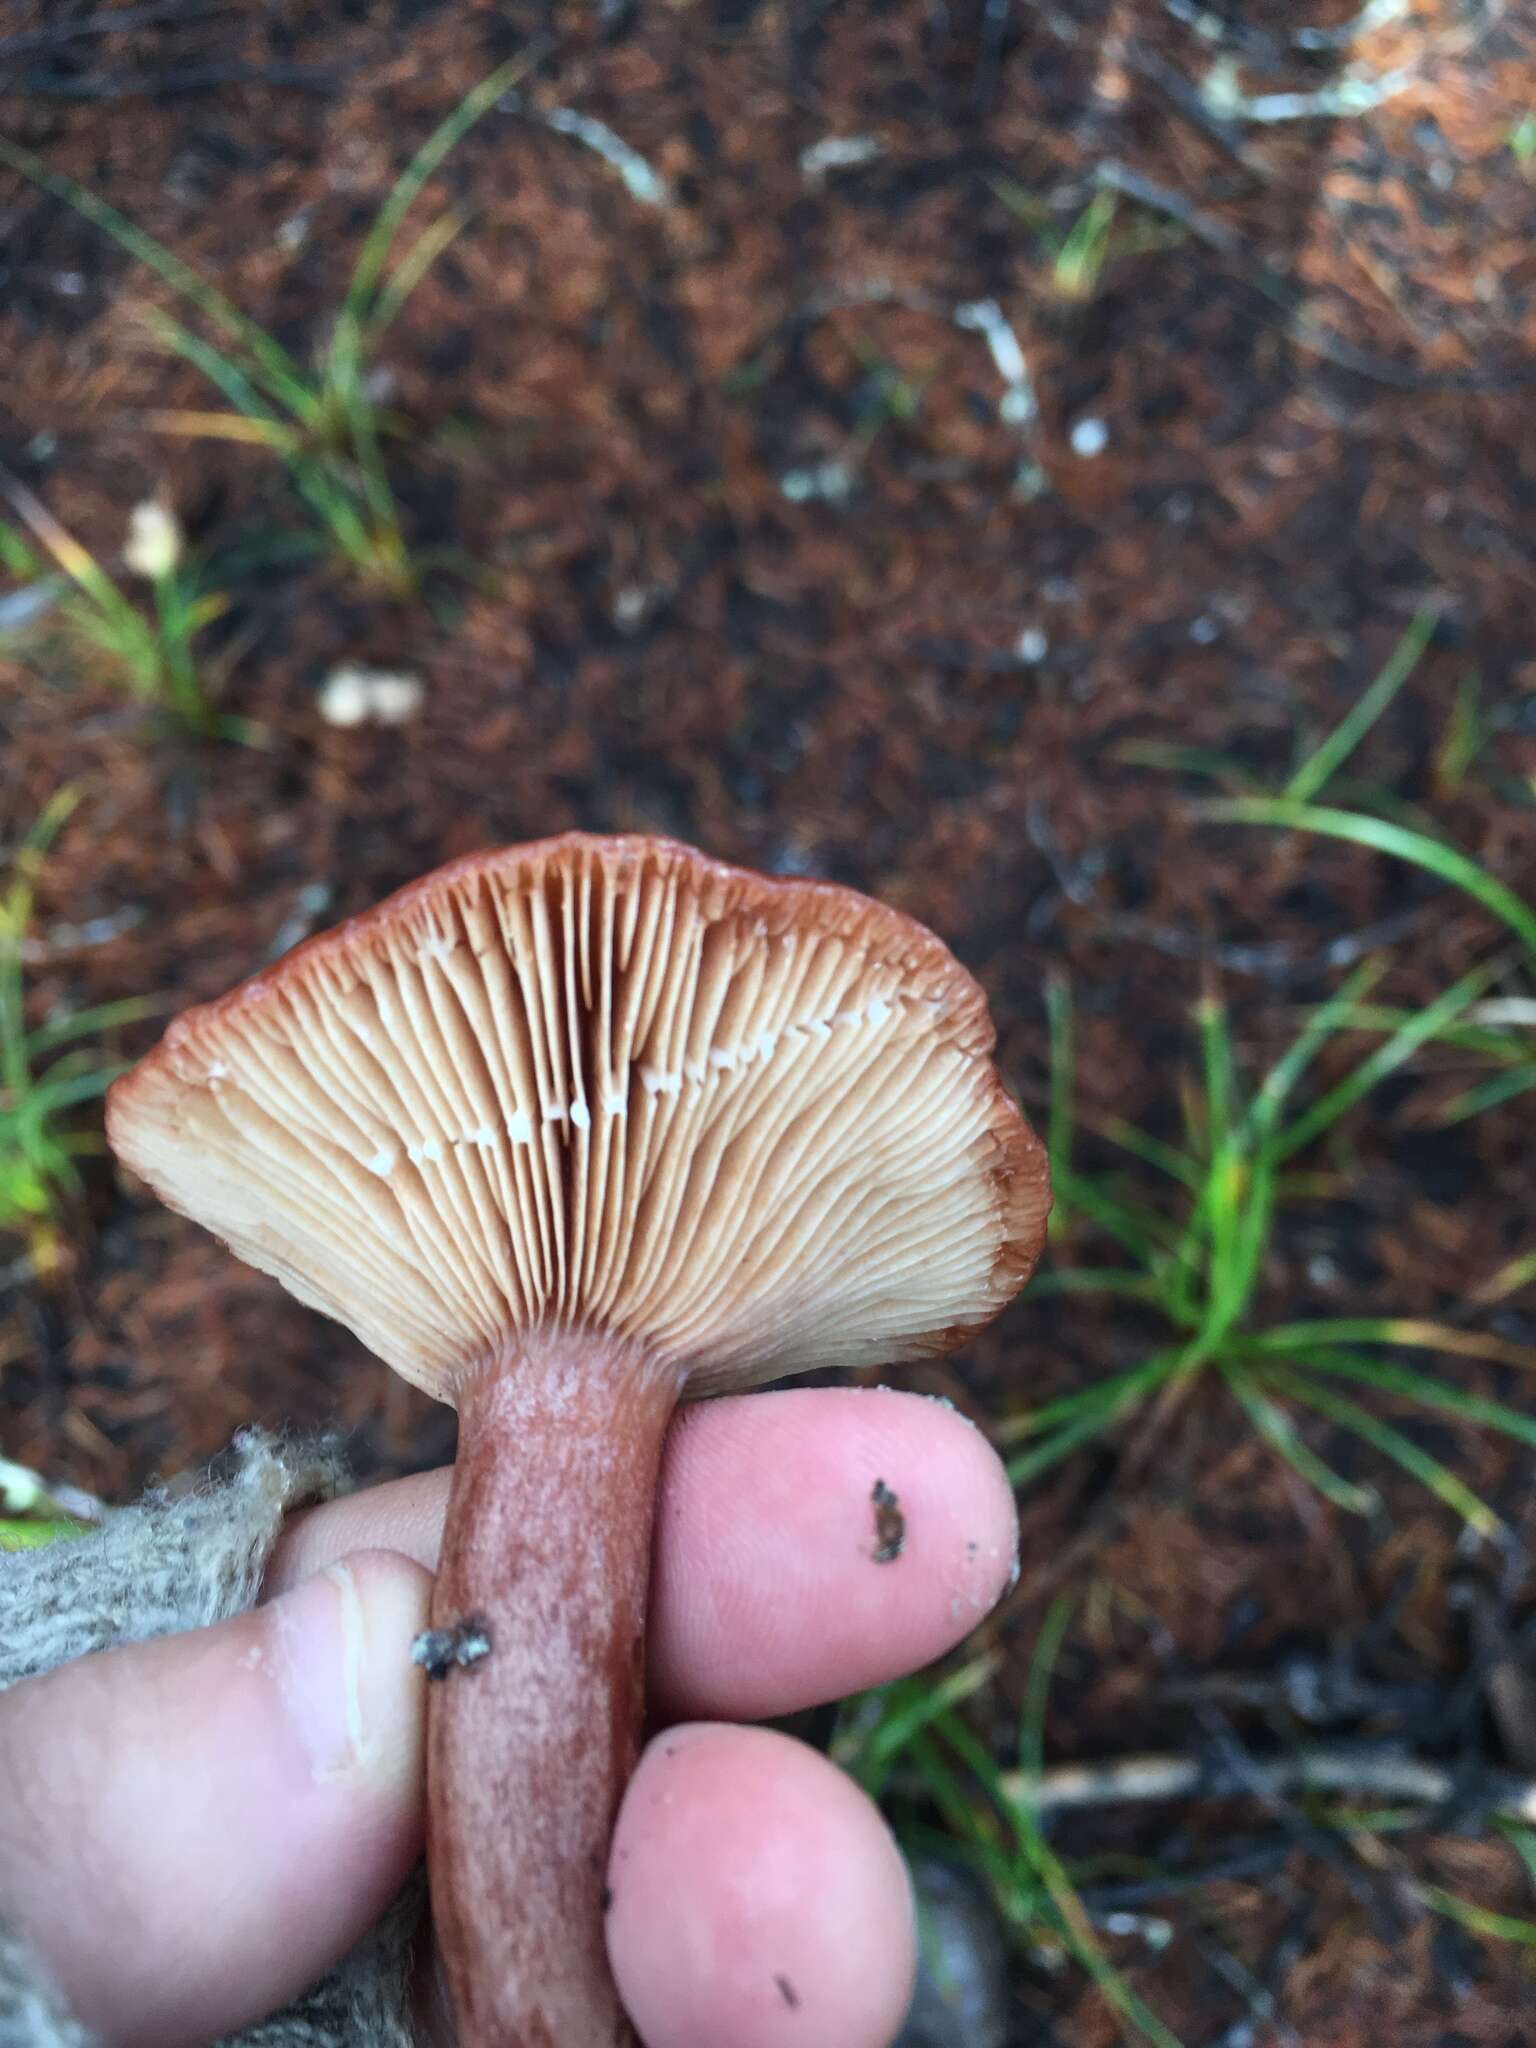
point(1217, 1063)
point(359, 306)
point(1518, 1273)
point(1479, 1919)
point(274, 359)
point(970, 1821)
point(1449, 863)
point(1239, 1254)
point(1489, 1041)
point(16, 557)
point(1145, 1234)
point(1042, 1667)
point(83, 1023)
point(64, 1086)
point(1076, 1929)
point(19, 1534)
point(1385, 1060)
point(1085, 247)
point(1490, 1094)
point(1104, 1397)
point(1186, 761)
point(413, 266)
point(1411, 1333)
point(1094, 1280)
point(1280, 1433)
point(226, 376)
point(1003, 1810)
point(338, 508)
point(110, 617)
point(1381, 1436)
point(46, 827)
point(1327, 759)
point(907, 1709)
point(1151, 1151)
point(1090, 1956)
point(1462, 737)
point(1278, 1084)
point(1023, 204)
point(1034, 1463)
point(1425, 1388)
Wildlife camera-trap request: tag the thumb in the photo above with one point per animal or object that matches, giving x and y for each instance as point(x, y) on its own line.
point(193, 1830)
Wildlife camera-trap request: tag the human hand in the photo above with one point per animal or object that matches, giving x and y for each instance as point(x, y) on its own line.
point(193, 1830)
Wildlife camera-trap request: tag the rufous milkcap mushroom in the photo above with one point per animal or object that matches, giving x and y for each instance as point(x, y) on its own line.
point(566, 1132)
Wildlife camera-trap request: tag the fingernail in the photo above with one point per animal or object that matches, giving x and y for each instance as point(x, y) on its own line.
point(321, 1632)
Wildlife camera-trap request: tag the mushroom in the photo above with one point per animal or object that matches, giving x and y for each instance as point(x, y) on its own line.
point(567, 1132)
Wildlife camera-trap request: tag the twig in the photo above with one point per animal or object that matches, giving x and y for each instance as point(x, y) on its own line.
point(1375, 14)
point(162, 84)
point(1019, 406)
point(1280, 292)
point(110, 23)
point(1360, 1773)
point(1259, 1857)
point(1355, 92)
point(1323, 1843)
point(1263, 2008)
point(640, 181)
point(1273, 960)
point(1186, 99)
point(1113, 176)
point(1075, 879)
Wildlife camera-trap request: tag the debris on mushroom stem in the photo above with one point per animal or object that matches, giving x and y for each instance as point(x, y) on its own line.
point(458, 1648)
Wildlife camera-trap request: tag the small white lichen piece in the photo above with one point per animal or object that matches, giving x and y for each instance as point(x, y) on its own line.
point(154, 543)
point(344, 696)
point(353, 694)
point(396, 698)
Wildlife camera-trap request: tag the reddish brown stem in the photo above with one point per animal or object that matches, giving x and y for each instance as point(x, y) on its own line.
point(533, 1732)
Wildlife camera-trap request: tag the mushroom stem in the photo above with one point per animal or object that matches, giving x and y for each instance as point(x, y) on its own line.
point(539, 1618)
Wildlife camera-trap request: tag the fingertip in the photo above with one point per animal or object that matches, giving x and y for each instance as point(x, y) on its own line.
point(814, 1542)
point(986, 1556)
point(756, 1897)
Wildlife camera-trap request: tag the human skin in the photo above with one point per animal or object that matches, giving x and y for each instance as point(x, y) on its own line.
point(192, 1830)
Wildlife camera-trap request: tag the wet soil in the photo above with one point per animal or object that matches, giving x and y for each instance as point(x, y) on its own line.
point(826, 513)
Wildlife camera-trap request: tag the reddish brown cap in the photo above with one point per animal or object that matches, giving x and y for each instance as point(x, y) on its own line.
point(750, 1125)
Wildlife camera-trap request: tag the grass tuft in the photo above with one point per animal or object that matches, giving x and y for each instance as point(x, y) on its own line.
point(1503, 1030)
point(914, 1730)
point(152, 653)
point(46, 1073)
point(1193, 1226)
point(322, 422)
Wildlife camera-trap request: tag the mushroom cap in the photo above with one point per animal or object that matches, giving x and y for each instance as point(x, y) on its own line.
point(748, 1125)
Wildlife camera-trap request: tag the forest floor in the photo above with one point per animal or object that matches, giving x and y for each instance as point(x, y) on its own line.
point(1129, 377)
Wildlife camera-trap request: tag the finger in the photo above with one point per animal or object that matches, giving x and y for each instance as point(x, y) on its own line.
point(193, 1830)
point(767, 1595)
point(756, 1897)
point(775, 1582)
